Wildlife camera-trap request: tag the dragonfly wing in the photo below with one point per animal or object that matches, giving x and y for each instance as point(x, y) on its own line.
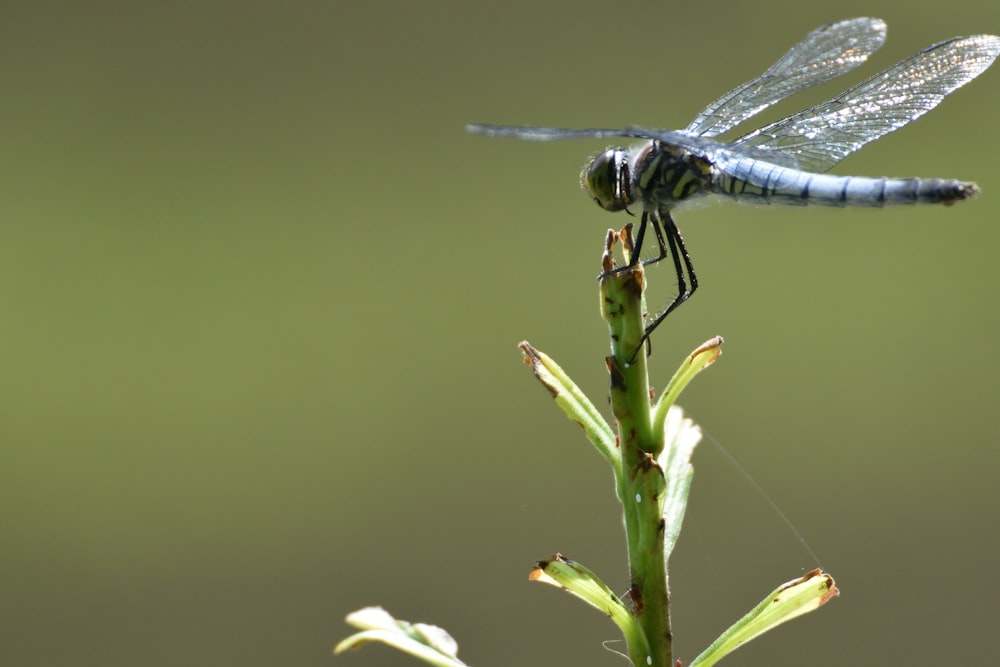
point(826, 53)
point(825, 134)
point(553, 133)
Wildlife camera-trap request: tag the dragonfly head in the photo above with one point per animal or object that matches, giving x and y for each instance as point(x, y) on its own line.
point(608, 179)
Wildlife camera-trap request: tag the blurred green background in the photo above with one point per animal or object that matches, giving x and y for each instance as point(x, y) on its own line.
point(261, 297)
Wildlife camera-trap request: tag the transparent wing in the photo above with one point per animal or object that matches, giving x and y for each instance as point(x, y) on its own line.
point(673, 137)
point(825, 134)
point(553, 133)
point(826, 53)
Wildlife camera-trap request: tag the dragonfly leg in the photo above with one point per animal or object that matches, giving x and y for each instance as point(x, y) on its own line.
point(658, 230)
point(669, 237)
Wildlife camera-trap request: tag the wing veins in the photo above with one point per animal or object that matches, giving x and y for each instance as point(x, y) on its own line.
point(825, 54)
point(823, 135)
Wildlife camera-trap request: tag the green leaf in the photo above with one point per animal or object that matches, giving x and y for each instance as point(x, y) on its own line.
point(430, 643)
point(584, 584)
point(681, 436)
point(702, 357)
point(573, 403)
point(788, 601)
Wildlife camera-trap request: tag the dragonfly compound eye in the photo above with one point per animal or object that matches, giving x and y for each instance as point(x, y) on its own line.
point(606, 178)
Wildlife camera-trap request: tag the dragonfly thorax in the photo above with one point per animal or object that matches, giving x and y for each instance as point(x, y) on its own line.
point(666, 175)
point(608, 179)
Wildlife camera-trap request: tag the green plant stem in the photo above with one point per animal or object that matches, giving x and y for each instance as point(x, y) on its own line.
point(641, 482)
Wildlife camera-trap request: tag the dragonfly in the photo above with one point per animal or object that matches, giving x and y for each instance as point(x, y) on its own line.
point(783, 162)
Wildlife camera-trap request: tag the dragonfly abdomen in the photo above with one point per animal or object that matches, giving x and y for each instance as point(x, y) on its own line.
point(782, 185)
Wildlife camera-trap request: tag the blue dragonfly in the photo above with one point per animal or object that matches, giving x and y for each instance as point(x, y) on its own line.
point(783, 162)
